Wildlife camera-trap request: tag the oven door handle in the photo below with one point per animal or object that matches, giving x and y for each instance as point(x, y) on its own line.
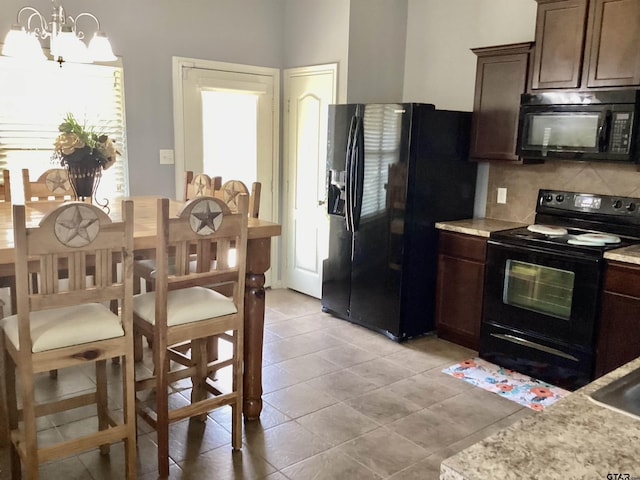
point(528, 343)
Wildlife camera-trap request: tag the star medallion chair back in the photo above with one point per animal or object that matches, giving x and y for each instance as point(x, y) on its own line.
point(68, 330)
point(231, 189)
point(199, 185)
point(184, 310)
point(51, 185)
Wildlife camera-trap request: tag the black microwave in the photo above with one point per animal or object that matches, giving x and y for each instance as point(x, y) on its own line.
point(591, 126)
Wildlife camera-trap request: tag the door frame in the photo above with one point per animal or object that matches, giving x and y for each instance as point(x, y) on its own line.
point(178, 64)
point(287, 211)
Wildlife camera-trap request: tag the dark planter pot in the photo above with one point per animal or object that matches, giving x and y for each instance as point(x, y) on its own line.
point(83, 168)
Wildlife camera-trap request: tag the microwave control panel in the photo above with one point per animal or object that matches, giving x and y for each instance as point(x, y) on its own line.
point(621, 132)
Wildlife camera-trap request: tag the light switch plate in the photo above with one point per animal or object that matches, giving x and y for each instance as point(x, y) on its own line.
point(502, 195)
point(166, 157)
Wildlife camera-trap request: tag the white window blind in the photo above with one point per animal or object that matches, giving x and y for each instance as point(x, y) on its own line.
point(35, 98)
point(382, 130)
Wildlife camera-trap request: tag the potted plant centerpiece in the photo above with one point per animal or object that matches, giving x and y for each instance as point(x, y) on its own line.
point(84, 153)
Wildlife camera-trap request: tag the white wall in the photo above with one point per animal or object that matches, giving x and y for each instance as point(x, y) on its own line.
point(377, 38)
point(147, 33)
point(315, 33)
point(439, 65)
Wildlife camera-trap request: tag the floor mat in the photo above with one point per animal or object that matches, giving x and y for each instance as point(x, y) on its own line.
point(509, 384)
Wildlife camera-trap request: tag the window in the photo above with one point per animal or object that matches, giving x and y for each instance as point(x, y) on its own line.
point(35, 98)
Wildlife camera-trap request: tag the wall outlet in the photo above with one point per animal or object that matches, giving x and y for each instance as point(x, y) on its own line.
point(166, 157)
point(502, 195)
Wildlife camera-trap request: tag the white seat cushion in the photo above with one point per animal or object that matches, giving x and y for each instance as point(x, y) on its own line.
point(63, 327)
point(185, 306)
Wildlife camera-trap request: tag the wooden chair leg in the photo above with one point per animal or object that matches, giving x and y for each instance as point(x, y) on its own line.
point(162, 405)
point(102, 401)
point(12, 413)
point(4, 421)
point(137, 347)
point(199, 355)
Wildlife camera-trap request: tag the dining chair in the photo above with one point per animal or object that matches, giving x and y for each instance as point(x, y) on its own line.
point(231, 189)
point(183, 310)
point(53, 184)
point(5, 188)
point(69, 330)
point(8, 281)
point(199, 185)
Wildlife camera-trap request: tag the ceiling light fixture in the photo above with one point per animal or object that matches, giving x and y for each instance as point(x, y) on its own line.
point(66, 43)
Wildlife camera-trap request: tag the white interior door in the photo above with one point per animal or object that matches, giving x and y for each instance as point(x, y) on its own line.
point(308, 92)
point(226, 124)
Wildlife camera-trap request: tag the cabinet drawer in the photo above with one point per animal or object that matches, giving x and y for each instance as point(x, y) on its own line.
point(463, 246)
point(622, 278)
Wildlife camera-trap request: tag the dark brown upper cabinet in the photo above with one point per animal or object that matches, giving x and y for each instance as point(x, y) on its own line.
point(501, 77)
point(612, 56)
point(586, 44)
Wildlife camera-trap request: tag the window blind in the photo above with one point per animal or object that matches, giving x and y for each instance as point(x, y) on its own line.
point(382, 130)
point(35, 98)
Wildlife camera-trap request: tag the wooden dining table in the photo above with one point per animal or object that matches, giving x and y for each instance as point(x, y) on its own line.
point(145, 207)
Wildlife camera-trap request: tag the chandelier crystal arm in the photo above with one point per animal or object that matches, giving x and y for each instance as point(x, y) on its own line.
point(43, 30)
point(80, 34)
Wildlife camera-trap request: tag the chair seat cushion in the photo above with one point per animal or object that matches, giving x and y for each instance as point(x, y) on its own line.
point(66, 326)
point(185, 306)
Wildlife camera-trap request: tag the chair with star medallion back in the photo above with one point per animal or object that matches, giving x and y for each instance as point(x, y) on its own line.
point(230, 190)
point(199, 185)
point(5, 187)
point(69, 331)
point(183, 313)
point(53, 184)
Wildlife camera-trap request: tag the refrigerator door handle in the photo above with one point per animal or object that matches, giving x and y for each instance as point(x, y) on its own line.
point(358, 173)
point(349, 180)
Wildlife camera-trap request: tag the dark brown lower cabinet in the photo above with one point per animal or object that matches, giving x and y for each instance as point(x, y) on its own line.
point(459, 289)
point(619, 333)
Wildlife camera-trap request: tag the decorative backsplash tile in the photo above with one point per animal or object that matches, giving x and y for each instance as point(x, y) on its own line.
point(523, 182)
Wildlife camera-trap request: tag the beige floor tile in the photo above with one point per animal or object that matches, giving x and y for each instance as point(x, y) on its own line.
point(337, 423)
point(298, 400)
point(330, 465)
point(384, 451)
point(381, 371)
point(342, 384)
point(383, 406)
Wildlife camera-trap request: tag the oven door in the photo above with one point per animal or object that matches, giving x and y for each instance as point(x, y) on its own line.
point(551, 294)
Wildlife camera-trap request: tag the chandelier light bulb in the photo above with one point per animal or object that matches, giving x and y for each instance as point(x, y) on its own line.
point(100, 48)
point(20, 44)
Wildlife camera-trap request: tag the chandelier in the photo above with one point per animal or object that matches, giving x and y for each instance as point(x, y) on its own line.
point(66, 41)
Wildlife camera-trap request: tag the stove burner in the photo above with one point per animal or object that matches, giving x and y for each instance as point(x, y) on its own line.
point(547, 230)
point(599, 238)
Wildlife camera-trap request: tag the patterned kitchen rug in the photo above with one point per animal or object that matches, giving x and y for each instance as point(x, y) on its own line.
point(509, 384)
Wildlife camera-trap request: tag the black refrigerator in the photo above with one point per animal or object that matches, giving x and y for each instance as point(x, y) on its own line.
point(393, 171)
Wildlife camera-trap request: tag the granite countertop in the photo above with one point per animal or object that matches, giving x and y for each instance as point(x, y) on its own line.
point(573, 439)
point(481, 227)
point(629, 254)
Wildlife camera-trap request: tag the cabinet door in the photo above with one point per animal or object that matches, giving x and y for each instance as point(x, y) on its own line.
point(619, 319)
point(560, 30)
point(460, 287)
point(619, 332)
point(612, 56)
point(501, 78)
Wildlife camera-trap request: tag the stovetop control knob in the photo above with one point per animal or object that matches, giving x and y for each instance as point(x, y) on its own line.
point(559, 198)
point(617, 204)
point(631, 207)
point(548, 197)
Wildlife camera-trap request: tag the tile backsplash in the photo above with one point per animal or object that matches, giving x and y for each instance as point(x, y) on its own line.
point(523, 182)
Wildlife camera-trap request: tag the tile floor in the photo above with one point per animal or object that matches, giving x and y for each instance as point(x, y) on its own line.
point(340, 402)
